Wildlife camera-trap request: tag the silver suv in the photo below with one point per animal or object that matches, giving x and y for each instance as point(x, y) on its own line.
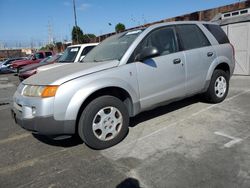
point(126, 74)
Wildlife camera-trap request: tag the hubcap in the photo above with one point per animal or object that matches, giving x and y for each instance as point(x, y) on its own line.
point(220, 86)
point(107, 123)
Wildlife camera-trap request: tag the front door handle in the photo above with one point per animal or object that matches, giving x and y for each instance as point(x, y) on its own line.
point(210, 54)
point(177, 61)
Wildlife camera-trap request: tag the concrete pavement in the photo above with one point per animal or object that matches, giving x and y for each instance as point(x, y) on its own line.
point(185, 144)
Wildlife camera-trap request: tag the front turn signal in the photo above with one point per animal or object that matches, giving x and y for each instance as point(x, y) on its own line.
point(49, 91)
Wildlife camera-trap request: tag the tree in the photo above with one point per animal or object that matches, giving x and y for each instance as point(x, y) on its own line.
point(59, 46)
point(48, 47)
point(77, 35)
point(120, 27)
point(87, 38)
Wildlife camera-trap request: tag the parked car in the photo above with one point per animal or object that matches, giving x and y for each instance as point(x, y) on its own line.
point(35, 58)
point(5, 65)
point(30, 70)
point(126, 74)
point(72, 54)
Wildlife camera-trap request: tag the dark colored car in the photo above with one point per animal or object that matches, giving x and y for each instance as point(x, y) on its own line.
point(5, 65)
point(35, 58)
point(30, 70)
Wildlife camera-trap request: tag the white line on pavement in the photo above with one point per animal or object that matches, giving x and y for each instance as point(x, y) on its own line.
point(2, 86)
point(5, 107)
point(233, 141)
point(15, 138)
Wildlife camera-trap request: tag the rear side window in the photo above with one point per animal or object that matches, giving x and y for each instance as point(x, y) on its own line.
point(47, 54)
point(218, 33)
point(191, 37)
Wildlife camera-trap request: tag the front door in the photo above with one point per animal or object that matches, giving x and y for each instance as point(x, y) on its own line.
point(161, 78)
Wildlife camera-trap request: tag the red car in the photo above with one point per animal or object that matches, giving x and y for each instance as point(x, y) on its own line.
point(35, 58)
point(30, 70)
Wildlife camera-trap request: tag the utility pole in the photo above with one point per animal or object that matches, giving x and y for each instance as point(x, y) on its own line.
point(74, 7)
point(50, 33)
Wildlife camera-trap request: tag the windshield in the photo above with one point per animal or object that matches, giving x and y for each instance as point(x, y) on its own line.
point(112, 48)
point(69, 55)
point(45, 60)
point(50, 59)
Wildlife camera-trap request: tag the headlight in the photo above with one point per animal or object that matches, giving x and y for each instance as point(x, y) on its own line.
point(39, 91)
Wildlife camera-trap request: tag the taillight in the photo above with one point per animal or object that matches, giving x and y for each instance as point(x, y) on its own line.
point(233, 51)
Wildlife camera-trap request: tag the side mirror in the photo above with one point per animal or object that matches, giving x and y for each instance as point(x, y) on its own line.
point(147, 53)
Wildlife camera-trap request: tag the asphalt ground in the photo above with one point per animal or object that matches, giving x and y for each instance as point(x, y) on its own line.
point(188, 143)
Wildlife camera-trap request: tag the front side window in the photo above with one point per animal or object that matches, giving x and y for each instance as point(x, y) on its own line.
point(113, 48)
point(69, 54)
point(191, 37)
point(86, 50)
point(163, 39)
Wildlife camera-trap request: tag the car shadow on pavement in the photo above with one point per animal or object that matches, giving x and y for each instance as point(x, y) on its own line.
point(129, 183)
point(144, 116)
point(147, 115)
point(65, 142)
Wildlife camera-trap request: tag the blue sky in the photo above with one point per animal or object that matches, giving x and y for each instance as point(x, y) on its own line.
point(23, 21)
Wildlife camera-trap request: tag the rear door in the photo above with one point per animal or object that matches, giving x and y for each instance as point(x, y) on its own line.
point(161, 78)
point(199, 54)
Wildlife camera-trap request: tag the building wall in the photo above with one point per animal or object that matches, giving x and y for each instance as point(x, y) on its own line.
point(239, 36)
point(4, 54)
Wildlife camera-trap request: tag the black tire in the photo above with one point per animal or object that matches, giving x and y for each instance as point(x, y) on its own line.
point(85, 130)
point(211, 94)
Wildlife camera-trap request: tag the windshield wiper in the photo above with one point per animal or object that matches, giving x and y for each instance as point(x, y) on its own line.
point(63, 61)
point(100, 60)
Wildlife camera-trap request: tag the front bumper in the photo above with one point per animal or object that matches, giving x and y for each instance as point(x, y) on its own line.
point(36, 115)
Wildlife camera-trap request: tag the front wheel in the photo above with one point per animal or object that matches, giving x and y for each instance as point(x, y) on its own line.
point(218, 87)
point(104, 122)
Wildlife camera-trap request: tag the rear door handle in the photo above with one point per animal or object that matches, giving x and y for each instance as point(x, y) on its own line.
point(209, 54)
point(177, 61)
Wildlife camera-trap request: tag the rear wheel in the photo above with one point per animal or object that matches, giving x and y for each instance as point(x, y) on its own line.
point(104, 122)
point(218, 87)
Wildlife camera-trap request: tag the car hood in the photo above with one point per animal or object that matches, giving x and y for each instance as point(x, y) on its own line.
point(61, 74)
point(47, 67)
point(30, 67)
point(22, 62)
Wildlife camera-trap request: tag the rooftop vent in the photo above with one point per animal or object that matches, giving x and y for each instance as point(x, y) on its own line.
point(235, 13)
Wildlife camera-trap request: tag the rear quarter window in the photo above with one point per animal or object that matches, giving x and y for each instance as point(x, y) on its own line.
point(218, 33)
point(191, 37)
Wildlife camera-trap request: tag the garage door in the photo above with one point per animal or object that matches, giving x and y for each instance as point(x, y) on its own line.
point(239, 36)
